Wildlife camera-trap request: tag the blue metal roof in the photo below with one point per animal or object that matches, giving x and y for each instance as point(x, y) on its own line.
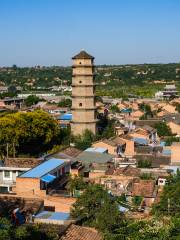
point(48, 178)
point(53, 215)
point(162, 143)
point(166, 152)
point(43, 168)
point(141, 141)
point(96, 149)
point(126, 110)
point(66, 116)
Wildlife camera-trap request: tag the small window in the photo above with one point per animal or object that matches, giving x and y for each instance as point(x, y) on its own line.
point(80, 104)
point(79, 62)
point(7, 174)
point(80, 81)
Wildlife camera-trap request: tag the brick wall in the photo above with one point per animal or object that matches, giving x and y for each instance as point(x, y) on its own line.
point(29, 186)
point(175, 154)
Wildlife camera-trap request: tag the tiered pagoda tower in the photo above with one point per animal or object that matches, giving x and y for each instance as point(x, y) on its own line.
point(83, 94)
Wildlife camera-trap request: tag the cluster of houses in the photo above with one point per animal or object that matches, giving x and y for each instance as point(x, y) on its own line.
point(134, 163)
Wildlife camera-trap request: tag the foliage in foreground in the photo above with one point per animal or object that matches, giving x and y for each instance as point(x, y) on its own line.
point(156, 229)
point(96, 208)
point(85, 140)
point(27, 232)
point(170, 199)
point(28, 133)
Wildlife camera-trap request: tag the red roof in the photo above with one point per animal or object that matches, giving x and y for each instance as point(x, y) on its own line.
point(75, 232)
point(144, 188)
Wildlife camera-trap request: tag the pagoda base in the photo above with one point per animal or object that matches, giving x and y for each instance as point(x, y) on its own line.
point(79, 128)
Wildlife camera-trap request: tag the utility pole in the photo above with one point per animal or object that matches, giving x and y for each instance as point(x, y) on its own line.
point(13, 150)
point(168, 206)
point(7, 150)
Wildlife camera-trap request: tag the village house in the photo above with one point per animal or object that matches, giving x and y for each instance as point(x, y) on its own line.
point(175, 154)
point(11, 168)
point(108, 144)
point(95, 162)
point(136, 115)
point(117, 180)
point(144, 135)
point(175, 127)
point(145, 189)
point(38, 180)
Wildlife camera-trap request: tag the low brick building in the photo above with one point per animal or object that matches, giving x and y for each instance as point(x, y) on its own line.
point(37, 180)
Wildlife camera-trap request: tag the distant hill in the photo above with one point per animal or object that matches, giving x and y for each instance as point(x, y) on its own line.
point(118, 77)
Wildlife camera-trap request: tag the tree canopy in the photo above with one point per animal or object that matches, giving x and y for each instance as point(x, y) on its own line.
point(85, 140)
point(27, 232)
point(28, 133)
point(65, 103)
point(96, 208)
point(170, 201)
point(31, 100)
point(163, 129)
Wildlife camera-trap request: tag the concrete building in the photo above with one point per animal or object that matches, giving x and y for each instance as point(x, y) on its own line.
point(83, 94)
point(11, 168)
point(170, 91)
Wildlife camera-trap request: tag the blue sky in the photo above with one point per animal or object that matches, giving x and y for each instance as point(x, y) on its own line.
point(50, 32)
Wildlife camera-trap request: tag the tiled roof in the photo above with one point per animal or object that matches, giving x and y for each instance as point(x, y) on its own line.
point(83, 55)
point(75, 232)
point(109, 142)
point(144, 188)
point(22, 162)
point(126, 171)
point(71, 151)
point(118, 140)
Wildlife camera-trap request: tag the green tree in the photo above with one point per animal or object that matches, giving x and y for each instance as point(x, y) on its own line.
point(65, 103)
point(21, 233)
point(144, 164)
point(109, 130)
point(147, 111)
point(5, 229)
point(31, 100)
point(85, 140)
point(32, 132)
point(114, 109)
point(163, 129)
point(172, 139)
point(136, 200)
point(108, 218)
point(12, 89)
point(76, 183)
point(95, 207)
point(170, 202)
